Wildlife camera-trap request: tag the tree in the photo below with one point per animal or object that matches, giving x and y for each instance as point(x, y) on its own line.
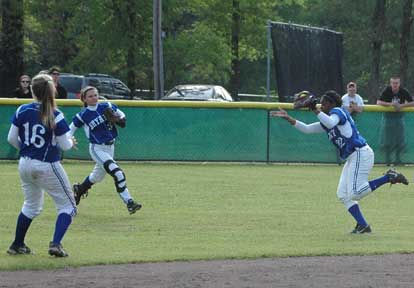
point(378, 26)
point(404, 39)
point(11, 45)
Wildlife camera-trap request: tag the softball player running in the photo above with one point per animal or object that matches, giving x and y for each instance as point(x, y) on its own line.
point(101, 134)
point(39, 131)
point(353, 184)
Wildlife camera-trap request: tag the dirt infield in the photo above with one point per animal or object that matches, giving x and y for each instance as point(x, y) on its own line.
point(346, 271)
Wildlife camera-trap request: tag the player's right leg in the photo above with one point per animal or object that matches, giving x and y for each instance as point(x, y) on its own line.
point(32, 207)
point(344, 194)
point(103, 156)
point(57, 185)
point(81, 189)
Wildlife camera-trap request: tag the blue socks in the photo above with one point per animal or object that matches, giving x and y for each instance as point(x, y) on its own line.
point(374, 184)
point(23, 224)
point(356, 213)
point(62, 223)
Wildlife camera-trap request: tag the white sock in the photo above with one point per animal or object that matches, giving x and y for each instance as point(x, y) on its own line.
point(125, 196)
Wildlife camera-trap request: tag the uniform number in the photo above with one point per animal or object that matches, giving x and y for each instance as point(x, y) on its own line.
point(36, 139)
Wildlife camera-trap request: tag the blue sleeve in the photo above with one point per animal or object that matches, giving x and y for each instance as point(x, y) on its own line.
point(340, 113)
point(114, 107)
point(61, 126)
point(76, 121)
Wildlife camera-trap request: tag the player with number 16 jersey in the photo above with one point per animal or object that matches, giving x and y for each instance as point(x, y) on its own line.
point(40, 131)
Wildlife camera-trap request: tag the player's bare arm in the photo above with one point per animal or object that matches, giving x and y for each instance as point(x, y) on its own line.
point(282, 114)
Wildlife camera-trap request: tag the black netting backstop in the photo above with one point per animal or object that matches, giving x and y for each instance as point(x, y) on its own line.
point(306, 58)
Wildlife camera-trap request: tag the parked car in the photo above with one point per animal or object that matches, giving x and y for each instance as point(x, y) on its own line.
point(108, 86)
point(198, 93)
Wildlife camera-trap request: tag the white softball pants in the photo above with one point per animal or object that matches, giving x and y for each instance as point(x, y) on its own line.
point(353, 184)
point(100, 154)
point(36, 177)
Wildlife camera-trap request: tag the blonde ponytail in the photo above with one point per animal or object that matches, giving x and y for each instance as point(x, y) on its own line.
point(44, 91)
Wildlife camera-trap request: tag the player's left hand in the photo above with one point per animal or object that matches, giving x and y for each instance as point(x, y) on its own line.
point(279, 113)
point(397, 106)
point(75, 143)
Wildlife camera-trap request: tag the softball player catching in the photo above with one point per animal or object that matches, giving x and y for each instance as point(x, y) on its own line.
point(98, 120)
point(39, 131)
point(353, 184)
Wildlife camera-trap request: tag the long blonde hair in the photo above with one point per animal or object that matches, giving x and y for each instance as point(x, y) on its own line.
point(44, 90)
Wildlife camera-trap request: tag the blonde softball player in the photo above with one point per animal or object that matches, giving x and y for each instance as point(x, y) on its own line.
point(101, 133)
point(39, 131)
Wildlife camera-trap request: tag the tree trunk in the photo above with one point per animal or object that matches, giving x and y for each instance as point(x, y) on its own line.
point(378, 26)
point(157, 50)
point(132, 47)
point(235, 61)
point(11, 46)
point(405, 39)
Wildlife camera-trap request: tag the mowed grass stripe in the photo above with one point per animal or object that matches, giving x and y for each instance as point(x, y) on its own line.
point(214, 211)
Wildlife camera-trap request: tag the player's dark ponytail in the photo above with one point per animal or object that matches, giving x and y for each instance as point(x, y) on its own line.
point(44, 91)
point(333, 97)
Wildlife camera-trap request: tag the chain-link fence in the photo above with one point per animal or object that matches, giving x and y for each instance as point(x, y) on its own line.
point(165, 131)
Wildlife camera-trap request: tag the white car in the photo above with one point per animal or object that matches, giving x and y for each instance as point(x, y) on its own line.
point(198, 93)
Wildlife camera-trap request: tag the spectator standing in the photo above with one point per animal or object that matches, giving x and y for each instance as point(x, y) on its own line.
point(393, 136)
point(23, 91)
point(352, 101)
point(60, 90)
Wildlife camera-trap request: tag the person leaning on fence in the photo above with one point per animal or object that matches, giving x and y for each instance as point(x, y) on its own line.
point(342, 132)
point(23, 91)
point(393, 134)
point(352, 101)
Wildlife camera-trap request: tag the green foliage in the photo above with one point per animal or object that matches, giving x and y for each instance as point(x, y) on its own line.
point(98, 36)
point(206, 58)
point(210, 211)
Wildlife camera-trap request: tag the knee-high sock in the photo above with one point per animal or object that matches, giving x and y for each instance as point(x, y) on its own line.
point(357, 214)
point(23, 224)
point(62, 223)
point(376, 183)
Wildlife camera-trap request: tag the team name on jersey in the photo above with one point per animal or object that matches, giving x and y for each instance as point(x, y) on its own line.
point(95, 122)
point(337, 139)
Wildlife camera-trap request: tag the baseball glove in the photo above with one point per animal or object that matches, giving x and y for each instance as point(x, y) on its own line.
point(305, 99)
point(112, 118)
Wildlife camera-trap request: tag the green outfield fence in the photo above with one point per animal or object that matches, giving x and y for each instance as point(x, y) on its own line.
point(238, 131)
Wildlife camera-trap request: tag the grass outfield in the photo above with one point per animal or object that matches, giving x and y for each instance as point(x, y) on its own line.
point(214, 211)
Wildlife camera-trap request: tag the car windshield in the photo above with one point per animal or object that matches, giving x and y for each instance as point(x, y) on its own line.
point(192, 92)
point(71, 84)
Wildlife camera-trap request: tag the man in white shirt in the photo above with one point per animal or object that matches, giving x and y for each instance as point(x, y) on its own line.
point(352, 101)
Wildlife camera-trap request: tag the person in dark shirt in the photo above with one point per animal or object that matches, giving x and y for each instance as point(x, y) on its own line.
point(23, 91)
point(393, 136)
point(60, 90)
